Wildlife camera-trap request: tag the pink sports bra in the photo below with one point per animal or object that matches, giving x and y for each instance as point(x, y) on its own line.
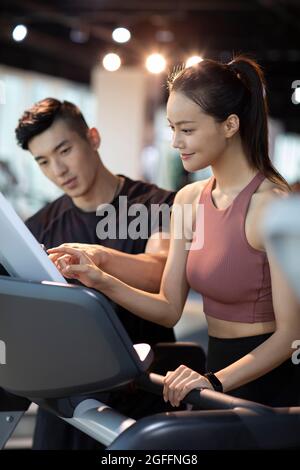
point(233, 277)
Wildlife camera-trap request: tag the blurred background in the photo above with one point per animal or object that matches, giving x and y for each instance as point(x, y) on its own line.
point(112, 58)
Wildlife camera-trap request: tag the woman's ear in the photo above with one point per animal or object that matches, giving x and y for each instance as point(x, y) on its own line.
point(231, 125)
point(94, 138)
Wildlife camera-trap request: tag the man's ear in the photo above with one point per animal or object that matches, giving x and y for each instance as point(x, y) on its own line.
point(94, 138)
point(231, 125)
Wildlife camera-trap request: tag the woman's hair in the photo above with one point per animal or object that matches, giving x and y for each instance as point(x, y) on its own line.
point(41, 116)
point(234, 88)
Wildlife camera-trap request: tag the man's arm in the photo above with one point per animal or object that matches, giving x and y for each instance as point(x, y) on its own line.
point(142, 271)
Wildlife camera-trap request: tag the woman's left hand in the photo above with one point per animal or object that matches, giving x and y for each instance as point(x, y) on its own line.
point(178, 383)
point(74, 263)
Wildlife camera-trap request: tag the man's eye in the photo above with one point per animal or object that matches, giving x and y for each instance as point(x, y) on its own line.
point(186, 131)
point(43, 163)
point(172, 128)
point(66, 150)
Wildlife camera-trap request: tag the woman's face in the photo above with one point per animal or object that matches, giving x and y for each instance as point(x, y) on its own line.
point(199, 138)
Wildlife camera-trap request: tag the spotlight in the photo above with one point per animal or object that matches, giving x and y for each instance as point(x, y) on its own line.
point(121, 35)
point(111, 62)
point(19, 33)
point(193, 60)
point(156, 63)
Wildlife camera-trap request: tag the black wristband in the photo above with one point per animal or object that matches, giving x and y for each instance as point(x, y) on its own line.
point(217, 385)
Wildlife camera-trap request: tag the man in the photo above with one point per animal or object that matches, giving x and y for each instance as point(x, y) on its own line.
point(58, 137)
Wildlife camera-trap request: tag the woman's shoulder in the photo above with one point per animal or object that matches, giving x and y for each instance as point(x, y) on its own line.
point(191, 193)
point(267, 192)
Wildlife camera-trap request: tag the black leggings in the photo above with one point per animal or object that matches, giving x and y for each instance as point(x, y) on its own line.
point(279, 387)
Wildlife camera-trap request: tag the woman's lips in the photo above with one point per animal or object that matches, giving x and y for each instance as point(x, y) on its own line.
point(186, 156)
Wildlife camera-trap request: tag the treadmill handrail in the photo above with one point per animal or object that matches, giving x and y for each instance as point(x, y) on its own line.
point(203, 398)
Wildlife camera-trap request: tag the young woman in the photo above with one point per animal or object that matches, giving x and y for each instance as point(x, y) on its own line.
point(218, 116)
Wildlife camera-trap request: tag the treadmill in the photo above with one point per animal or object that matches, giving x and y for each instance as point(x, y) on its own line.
point(60, 340)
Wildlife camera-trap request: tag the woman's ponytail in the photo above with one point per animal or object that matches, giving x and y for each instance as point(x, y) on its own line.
point(254, 121)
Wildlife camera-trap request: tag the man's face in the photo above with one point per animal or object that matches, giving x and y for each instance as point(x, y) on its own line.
point(69, 160)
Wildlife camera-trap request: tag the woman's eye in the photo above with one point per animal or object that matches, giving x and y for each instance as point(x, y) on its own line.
point(64, 151)
point(42, 163)
point(186, 131)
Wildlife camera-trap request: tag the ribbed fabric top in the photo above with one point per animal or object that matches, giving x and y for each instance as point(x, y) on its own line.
point(232, 276)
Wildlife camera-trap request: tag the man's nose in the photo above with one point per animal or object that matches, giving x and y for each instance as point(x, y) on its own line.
point(59, 168)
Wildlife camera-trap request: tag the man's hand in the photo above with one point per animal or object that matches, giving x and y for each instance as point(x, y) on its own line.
point(96, 253)
point(74, 263)
point(178, 383)
point(142, 271)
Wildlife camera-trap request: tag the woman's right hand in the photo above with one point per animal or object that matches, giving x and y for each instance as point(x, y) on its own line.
point(74, 263)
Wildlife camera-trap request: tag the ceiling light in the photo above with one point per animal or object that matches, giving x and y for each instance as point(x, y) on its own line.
point(19, 33)
point(193, 60)
point(121, 35)
point(156, 63)
point(111, 62)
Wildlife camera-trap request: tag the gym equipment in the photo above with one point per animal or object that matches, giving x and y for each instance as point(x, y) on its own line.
point(65, 340)
point(20, 253)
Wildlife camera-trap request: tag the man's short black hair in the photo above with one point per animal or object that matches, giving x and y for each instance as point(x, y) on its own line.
point(42, 115)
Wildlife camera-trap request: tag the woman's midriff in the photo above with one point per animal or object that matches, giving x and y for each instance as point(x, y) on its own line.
point(228, 329)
